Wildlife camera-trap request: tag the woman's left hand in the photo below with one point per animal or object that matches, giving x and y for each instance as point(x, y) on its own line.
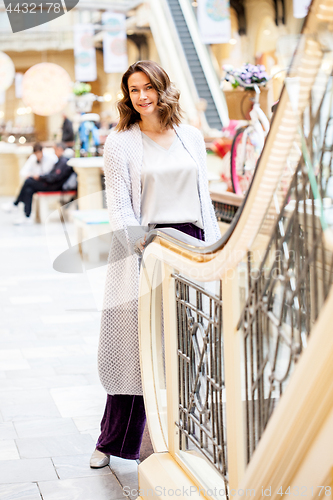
point(140, 244)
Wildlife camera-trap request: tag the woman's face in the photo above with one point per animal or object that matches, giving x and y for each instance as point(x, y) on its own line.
point(143, 96)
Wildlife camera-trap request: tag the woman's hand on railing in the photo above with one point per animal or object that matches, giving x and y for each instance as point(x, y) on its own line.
point(140, 244)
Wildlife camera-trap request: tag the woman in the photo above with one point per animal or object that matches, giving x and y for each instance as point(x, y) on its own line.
point(155, 173)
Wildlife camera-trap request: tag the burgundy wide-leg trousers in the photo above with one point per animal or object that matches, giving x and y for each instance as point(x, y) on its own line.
point(124, 417)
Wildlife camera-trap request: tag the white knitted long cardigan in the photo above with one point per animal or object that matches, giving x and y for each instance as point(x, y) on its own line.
point(118, 353)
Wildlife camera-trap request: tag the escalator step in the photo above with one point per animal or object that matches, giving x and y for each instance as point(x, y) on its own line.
point(194, 57)
point(202, 88)
point(199, 78)
point(187, 46)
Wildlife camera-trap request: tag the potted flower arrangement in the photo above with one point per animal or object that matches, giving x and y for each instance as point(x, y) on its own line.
point(83, 97)
point(242, 80)
point(248, 74)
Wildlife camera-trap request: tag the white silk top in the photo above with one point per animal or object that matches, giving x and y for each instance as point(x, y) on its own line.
point(169, 184)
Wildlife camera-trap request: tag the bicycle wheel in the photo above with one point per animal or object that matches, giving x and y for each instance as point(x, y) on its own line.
point(243, 159)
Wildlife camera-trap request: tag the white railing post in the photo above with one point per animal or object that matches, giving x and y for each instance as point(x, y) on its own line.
point(151, 374)
point(235, 407)
point(171, 359)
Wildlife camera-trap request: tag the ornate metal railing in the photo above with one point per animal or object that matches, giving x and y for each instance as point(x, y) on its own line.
point(201, 372)
point(224, 212)
point(285, 289)
point(226, 206)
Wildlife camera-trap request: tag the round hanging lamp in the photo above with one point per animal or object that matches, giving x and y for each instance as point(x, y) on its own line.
point(46, 88)
point(7, 71)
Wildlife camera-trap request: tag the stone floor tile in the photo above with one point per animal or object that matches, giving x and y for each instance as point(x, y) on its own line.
point(86, 424)
point(91, 340)
point(24, 471)
point(4, 332)
point(127, 473)
point(18, 334)
point(31, 299)
point(104, 487)
point(77, 466)
point(25, 491)
point(29, 410)
point(14, 321)
point(46, 339)
point(7, 282)
point(13, 341)
point(66, 318)
point(53, 446)
point(94, 434)
point(8, 450)
point(93, 377)
point(44, 383)
point(32, 403)
point(79, 401)
point(71, 380)
point(45, 427)
point(47, 371)
point(52, 351)
point(32, 395)
point(44, 363)
point(78, 365)
point(7, 431)
point(9, 354)
point(14, 364)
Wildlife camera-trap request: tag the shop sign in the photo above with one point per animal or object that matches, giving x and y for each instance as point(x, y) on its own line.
point(301, 8)
point(214, 21)
point(84, 53)
point(114, 42)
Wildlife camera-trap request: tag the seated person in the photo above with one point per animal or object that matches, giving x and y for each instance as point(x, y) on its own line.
point(39, 163)
point(53, 181)
point(67, 132)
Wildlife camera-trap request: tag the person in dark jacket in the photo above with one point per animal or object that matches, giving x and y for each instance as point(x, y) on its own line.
point(67, 132)
point(53, 181)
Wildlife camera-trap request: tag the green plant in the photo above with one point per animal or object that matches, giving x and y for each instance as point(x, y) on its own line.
point(81, 88)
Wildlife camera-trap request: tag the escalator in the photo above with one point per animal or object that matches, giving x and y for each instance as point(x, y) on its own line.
point(212, 115)
point(187, 58)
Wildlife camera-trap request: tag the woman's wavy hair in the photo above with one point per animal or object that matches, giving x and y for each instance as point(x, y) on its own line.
point(168, 96)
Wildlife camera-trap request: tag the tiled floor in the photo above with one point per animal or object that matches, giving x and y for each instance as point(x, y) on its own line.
point(51, 401)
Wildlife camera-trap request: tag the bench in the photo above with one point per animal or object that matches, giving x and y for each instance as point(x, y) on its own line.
point(45, 202)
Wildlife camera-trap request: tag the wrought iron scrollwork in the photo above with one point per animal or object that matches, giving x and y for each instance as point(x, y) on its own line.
point(286, 288)
point(201, 420)
point(199, 368)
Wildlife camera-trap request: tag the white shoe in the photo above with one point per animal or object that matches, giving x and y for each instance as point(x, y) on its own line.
point(23, 220)
point(99, 460)
point(9, 207)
